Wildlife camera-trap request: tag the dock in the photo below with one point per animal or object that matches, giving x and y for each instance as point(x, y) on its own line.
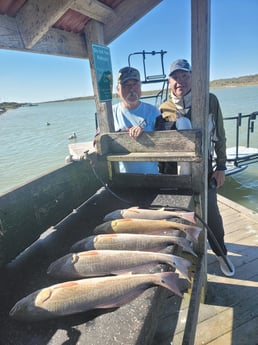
point(229, 315)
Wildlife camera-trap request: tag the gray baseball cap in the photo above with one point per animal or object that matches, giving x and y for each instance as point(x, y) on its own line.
point(180, 64)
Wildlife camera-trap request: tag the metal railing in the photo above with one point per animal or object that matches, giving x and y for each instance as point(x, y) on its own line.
point(161, 77)
point(240, 158)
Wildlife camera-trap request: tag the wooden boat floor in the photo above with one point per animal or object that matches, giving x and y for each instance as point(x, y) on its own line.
point(134, 323)
point(229, 315)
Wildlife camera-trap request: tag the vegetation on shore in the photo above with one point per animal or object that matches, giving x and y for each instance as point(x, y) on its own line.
point(8, 105)
point(248, 80)
point(4, 106)
point(234, 82)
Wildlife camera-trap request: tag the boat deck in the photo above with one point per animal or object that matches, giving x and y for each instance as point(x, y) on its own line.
point(230, 313)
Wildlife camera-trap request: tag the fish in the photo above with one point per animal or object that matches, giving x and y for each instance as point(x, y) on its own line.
point(147, 226)
point(95, 263)
point(79, 296)
point(126, 241)
point(141, 213)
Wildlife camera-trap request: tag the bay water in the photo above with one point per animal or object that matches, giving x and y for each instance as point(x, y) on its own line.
point(34, 140)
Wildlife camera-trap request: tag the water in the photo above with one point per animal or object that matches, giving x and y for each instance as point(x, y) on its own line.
point(242, 187)
point(30, 148)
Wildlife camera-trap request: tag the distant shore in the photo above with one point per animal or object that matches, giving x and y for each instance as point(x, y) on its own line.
point(13, 105)
point(250, 80)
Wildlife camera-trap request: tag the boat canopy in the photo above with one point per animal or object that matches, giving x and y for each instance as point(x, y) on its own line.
point(58, 27)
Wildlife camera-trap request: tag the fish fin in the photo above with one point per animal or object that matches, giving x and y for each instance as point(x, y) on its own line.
point(189, 216)
point(161, 209)
point(189, 250)
point(169, 280)
point(186, 246)
point(180, 264)
point(183, 272)
point(193, 233)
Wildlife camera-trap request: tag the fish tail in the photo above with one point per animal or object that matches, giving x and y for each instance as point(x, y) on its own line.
point(186, 245)
point(189, 216)
point(169, 280)
point(189, 249)
point(181, 265)
point(192, 233)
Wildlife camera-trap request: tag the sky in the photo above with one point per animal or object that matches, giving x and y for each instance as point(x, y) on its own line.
point(27, 77)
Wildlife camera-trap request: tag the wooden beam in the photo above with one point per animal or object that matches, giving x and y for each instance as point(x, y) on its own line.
point(185, 144)
point(200, 88)
point(156, 156)
point(95, 10)
point(200, 19)
point(200, 62)
point(127, 13)
point(62, 43)
point(196, 298)
point(10, 36)
point(172, 182)
point(31, 29)
point(94, 34)
point(54, 42)
point(36, 17)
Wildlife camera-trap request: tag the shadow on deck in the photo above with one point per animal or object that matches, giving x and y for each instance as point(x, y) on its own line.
point(230, 314)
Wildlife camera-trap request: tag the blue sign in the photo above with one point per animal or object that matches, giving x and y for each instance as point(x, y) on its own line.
point(103, 68)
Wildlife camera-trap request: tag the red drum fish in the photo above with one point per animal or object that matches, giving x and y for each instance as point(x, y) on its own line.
point(96, 263)
point(141, 213)
point(125, 241)
point(86, 294)
point(147, 226)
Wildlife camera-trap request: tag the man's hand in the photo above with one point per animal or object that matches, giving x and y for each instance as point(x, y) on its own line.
point(219, 176)
point(135, 131)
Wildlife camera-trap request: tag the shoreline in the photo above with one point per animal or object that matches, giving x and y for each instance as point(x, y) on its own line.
point(212, 86)
point(5, 106)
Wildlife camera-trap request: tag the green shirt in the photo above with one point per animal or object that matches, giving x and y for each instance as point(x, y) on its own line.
point(169, 113)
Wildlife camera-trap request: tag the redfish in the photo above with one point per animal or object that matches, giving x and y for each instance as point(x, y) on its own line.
point(141, 213)
point(125, 241)
point(147, 226)
point(95, 263)
point(87, 294)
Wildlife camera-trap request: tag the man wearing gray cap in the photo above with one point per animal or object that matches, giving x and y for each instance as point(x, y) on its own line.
point(179, 107)
point(133, 116)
